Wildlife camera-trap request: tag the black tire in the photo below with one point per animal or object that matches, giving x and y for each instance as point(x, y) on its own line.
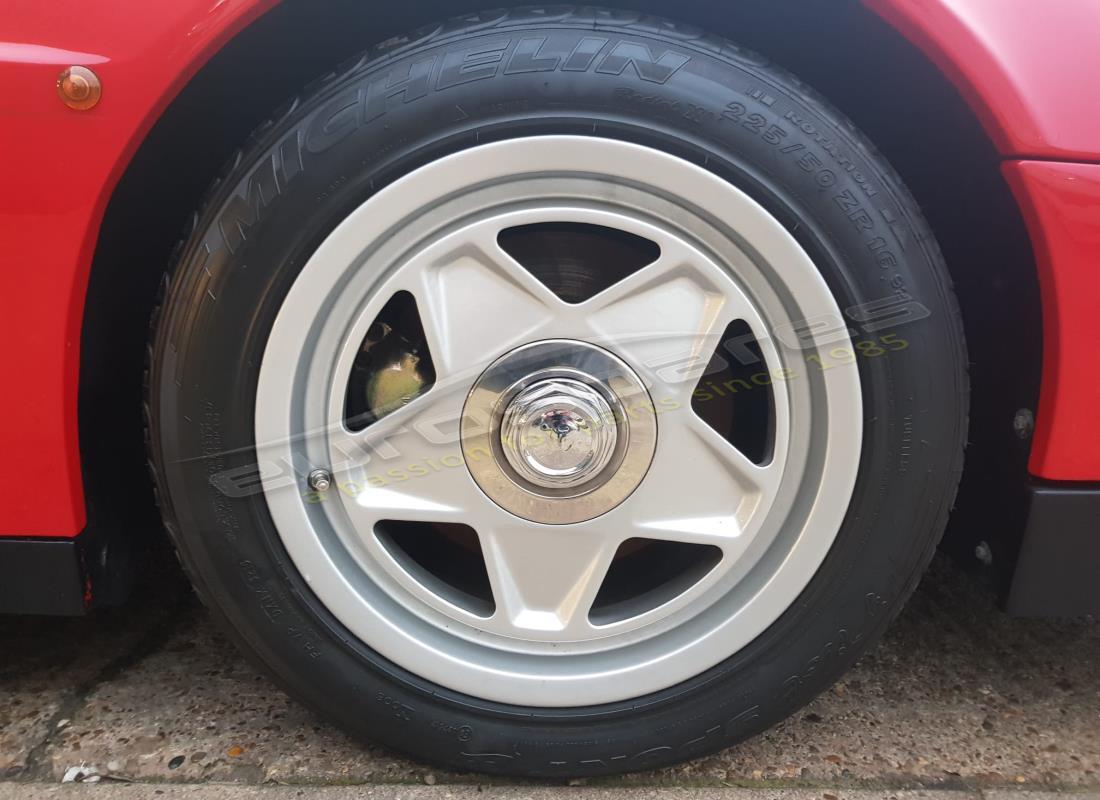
point(695, 96)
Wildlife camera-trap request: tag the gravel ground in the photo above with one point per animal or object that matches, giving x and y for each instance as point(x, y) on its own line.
point(958, 699)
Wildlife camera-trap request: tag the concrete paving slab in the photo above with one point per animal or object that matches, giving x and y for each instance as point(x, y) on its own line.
point(47, 664)
point(220, 791)
point(213, 791)
point(959, 696)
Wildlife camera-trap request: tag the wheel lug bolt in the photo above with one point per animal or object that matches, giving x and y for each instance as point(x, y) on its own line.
point(320, 480)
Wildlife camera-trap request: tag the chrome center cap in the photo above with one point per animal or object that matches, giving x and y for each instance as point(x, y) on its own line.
point(558, 433)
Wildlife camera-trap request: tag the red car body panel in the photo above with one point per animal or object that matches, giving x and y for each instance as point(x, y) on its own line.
point(61, 167)
point(1061, 203)
point(1019, 64)
point(1020, 69)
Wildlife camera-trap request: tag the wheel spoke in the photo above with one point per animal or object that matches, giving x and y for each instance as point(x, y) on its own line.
point(477, 302)
point(408, 465)
point(667, 319)
point(700, 488)
point(544, 578)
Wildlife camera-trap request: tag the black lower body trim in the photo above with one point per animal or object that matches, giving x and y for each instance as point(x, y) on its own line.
point(63, 577)
point(42, 576)
point(1059, 563)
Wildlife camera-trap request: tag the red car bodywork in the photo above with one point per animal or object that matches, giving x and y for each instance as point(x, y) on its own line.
point(1018, 67)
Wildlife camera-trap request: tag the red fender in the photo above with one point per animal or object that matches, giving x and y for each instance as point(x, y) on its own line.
point(1027, 69)
point(1029, 72)
point(60, 168)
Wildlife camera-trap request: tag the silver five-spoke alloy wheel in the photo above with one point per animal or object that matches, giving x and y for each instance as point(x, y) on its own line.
point(558, 431)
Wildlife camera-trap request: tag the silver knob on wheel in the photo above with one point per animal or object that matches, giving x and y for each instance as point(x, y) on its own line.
point(558, 433)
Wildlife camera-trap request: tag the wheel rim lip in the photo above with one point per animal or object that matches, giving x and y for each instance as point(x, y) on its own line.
point(588, 681)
